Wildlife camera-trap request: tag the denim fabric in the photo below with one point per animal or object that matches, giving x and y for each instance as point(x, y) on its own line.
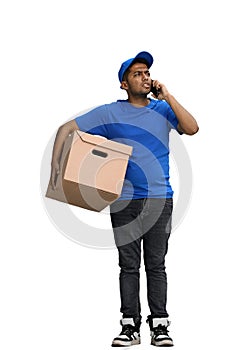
point(145, 220)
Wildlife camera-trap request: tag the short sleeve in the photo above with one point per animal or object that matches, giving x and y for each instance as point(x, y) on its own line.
point(94, 122)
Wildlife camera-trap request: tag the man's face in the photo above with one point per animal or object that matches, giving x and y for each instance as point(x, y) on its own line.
point(138, 81)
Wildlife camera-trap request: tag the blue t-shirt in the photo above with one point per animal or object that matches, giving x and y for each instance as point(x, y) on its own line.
point(146, 129)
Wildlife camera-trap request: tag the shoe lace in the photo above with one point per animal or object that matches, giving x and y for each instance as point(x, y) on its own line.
point(160, 330)
point(127, 330)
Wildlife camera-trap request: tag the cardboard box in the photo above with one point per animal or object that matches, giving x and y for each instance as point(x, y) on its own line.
point(92, 171)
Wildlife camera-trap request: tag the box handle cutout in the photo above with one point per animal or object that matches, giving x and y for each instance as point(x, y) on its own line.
point(99, 153)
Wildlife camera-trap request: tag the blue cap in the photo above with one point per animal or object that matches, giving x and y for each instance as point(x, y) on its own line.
point(125, 65)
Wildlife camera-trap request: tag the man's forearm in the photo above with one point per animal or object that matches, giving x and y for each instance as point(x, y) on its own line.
point(187, 122)
point(61, 136)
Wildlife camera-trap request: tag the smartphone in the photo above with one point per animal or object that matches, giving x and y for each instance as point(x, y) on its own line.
point(154, 90)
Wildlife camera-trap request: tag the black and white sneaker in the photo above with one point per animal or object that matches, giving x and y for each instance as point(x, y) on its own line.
point(159, 332)
point(129, 335)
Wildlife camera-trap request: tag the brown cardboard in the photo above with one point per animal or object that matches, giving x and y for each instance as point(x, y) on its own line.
point(92, 171)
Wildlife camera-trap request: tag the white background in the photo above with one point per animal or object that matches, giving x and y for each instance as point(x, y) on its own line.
point(57, 59)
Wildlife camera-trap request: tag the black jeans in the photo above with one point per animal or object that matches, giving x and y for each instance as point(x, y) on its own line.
point(147, 220)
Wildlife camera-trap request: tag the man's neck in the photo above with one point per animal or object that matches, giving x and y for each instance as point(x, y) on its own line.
point(139, 101)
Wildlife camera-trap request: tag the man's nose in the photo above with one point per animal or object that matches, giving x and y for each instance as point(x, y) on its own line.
point(145, 76)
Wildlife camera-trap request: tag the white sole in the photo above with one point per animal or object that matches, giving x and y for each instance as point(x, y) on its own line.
point(162, 343)
point(118, 343)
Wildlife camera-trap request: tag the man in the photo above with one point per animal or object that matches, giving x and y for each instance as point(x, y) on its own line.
point(144, 210)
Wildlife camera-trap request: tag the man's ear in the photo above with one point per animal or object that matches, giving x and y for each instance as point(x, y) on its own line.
point(124, 85)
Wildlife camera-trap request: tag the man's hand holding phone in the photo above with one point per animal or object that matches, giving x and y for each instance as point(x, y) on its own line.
point(158, 90)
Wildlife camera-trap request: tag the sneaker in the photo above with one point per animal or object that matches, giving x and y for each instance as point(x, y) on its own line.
point(159, 332)
point(129, 335)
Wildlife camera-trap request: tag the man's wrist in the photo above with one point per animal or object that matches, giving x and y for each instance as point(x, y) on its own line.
point(54, 163)
point(168, 98)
